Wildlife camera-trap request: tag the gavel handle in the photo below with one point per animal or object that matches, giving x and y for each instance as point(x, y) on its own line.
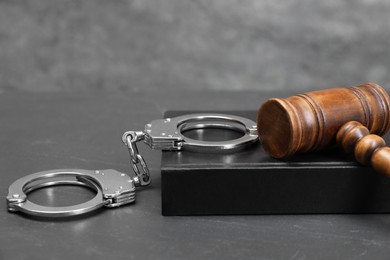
point(368, 148)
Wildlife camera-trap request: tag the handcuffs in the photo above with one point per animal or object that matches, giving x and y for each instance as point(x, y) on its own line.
point(113, 188)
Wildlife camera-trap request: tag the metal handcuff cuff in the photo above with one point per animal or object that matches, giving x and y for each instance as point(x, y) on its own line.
point(113, 188)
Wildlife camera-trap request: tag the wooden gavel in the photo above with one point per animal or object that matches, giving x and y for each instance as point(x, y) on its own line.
point(353, 118)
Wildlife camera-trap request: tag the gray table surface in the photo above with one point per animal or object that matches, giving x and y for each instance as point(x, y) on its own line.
point(68, 130)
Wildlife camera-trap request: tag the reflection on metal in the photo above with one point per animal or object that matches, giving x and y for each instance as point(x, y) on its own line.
point(114, 189)
point(167, 134)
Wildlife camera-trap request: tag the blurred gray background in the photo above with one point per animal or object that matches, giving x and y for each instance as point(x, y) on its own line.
point(122, 45)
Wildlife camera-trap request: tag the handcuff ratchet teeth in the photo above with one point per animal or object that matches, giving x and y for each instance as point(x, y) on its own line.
point(113, 188)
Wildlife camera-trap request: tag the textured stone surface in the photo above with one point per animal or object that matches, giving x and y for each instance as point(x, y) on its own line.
point(222, 44)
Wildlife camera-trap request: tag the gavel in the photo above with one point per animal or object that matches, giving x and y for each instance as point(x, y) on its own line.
point(353, 118)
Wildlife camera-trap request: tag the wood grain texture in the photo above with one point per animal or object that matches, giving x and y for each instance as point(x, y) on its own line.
point(310, 121)
point(380, 160)
point(367, 148)
point(349, 134)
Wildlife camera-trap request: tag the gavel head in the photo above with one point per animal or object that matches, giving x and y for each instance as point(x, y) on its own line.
point(310, 121)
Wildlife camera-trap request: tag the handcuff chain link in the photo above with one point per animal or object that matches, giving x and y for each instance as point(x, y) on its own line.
point(138, 163)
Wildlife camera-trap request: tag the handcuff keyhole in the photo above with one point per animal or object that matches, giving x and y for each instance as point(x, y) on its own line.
point(61, 195)
point(213, 134)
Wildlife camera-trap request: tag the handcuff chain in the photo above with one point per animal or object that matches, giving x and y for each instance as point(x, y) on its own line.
point(138, 163)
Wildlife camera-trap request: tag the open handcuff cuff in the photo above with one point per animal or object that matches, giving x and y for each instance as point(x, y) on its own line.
point(113, 188)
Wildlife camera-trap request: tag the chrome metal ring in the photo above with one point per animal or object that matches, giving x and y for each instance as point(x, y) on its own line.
point(167, 134)
point(203, 121)
point(112, 189)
